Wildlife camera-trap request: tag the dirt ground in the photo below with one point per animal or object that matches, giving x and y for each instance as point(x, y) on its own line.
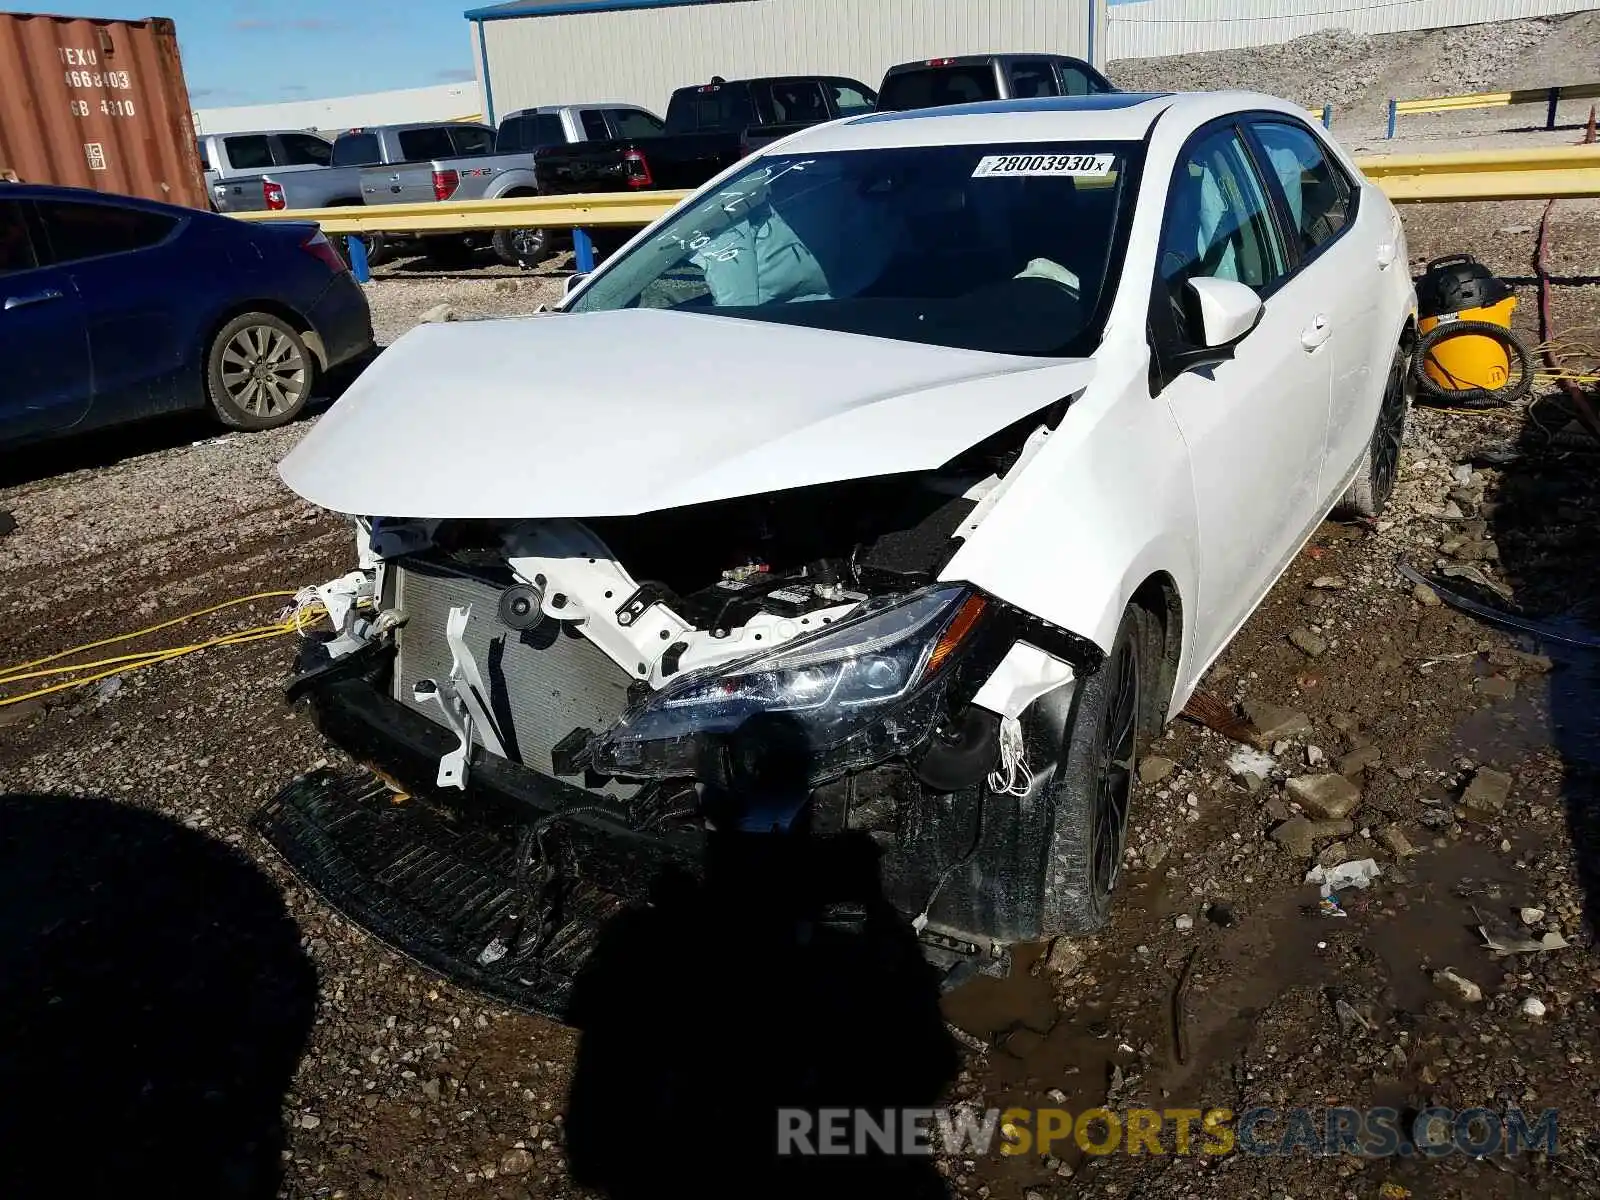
point(196, 1016)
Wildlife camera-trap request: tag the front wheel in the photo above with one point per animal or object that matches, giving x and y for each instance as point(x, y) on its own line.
point(1369, 492)
point(1094, 781)
point(259, 373)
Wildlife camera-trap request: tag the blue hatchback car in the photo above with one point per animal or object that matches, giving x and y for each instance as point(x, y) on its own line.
point(114, 309)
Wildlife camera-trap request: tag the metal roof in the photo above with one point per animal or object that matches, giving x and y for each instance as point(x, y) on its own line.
point(552, 8)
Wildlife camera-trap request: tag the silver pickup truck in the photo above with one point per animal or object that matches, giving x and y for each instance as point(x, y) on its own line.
point(338, 184)
point(506, 169)
point(230, 157)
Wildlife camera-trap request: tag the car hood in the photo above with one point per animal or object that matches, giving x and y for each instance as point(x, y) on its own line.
point(618, 413)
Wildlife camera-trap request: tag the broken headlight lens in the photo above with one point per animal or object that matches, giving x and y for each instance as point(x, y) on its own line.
point(862, 690)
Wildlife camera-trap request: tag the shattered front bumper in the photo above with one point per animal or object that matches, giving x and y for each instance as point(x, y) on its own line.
point(434, 872)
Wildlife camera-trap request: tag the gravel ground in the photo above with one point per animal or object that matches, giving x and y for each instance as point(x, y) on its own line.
point(189, 1002)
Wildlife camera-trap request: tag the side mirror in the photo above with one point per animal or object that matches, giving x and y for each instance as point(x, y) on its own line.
point(573, 281)
point(1228, 311)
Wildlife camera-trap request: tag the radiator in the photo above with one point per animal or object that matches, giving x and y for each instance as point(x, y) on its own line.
point(543, 682)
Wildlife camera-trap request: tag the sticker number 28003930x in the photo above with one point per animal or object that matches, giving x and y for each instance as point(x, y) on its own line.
point(1044, 164)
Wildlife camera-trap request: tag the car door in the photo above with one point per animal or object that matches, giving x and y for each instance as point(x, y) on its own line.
point(1255, 425)
point(135, 287)
point(44, 343)
point(1341, 249)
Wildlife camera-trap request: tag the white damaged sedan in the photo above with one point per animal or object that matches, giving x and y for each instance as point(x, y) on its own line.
point(899, 484)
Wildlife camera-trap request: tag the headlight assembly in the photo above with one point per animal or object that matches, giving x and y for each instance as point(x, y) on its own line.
point(862, 690)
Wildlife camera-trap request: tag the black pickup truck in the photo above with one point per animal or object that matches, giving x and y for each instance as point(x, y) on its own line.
point(709, 127)
point(972, 78)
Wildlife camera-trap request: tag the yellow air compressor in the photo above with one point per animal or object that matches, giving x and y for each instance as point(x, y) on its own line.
point(1466, 352)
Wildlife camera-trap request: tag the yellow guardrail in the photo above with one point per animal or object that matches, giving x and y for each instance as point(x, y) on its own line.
point(1536, 174)
point(1548, 96)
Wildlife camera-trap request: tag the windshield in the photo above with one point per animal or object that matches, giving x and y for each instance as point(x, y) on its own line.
point(995, 248)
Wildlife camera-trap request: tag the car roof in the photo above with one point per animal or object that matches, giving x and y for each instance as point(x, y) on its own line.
point(56, 191)
point(967, 60)
point(1103, 117)
point(316, 133)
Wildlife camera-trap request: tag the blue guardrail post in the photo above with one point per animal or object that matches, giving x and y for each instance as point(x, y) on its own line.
point(356, 249)
point(582, 250)
point(1327, 116)
point(1393, 113)
point(1550, 111)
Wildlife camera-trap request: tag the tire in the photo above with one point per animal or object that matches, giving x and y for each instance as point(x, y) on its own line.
point(259, 373)
point(1369, 492)
point(525, 248)
point(1094, 780)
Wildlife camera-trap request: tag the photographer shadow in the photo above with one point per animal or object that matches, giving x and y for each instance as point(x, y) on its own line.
point(155, 1001)
point(780, 979)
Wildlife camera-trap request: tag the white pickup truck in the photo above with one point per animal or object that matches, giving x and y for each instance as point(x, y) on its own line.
point(435, 168)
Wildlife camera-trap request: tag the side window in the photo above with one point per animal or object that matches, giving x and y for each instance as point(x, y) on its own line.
point(1033, 79)
point(419, 145)
point(301, 149)
point(252, 153)
point(1076, 82)
point(357, 150)
point(796, 101)
point(16, 248)
point(594, 125)
point(1217, 225)
point(1320, 196)
point(848, 98)
point(79, 231)
point(632, 123)
point(470, 139)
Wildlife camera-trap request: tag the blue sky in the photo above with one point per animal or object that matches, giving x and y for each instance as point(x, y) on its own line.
point(260, 51)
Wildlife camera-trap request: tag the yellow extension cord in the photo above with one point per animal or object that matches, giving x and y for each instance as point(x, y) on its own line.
point(103, 668)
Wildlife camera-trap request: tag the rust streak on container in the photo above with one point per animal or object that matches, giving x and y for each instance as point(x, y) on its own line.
point(97, 104)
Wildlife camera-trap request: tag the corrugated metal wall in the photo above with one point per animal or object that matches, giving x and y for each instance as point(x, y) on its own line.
point(1153, 28)
point(442, 102)
point(642, 55)
point(97, 104)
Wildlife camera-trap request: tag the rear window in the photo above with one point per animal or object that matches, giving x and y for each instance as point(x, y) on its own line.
point(710, 107)
point(935, 87)
point(252, 153)
point(356, 150)
point(529, 131)
point(419, 145)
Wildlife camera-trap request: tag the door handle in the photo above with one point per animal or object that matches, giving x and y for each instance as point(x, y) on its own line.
point(34, 298)
point(1314, 334)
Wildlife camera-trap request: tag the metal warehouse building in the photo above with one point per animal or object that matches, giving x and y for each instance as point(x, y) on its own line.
point(532, 52)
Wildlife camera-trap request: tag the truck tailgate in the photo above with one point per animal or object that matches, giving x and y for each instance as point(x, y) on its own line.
point(403, 183)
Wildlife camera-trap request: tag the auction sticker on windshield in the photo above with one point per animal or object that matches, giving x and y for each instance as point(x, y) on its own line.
point(1044, 164)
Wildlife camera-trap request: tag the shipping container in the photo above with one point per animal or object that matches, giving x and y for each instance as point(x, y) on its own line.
point(97, 104)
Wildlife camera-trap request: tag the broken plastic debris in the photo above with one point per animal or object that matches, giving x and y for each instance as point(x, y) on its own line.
point(1509, 943)
point(1248, 761)
point(1357, 873)
point(1328, 906)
